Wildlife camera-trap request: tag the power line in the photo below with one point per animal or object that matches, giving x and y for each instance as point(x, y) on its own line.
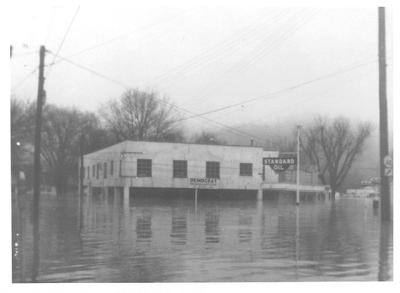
point(267, 46)
point(109, 41)
point(211, 53)
point(267, 42)
point(64, 38)
point(274, 94)
point(24, 79)
point(234, 130)
point(228, 45)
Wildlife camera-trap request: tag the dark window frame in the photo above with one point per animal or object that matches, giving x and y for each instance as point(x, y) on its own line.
point(179, 169)
point(111, 168)
point(246, 169)
point(98, 171)
point(144, 167)
point(105, 170)
point(213, 169)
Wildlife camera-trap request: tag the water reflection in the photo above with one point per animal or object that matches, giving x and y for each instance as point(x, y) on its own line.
point(211, 227)
point(100, 239)
point(244, 232)
point(385, 255)
point(178, 229)
point(143, 227)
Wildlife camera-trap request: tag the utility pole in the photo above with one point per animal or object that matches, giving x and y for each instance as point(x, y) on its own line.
point(37, 166)
point(386, 210)
point(298, 167)
point(81, 168)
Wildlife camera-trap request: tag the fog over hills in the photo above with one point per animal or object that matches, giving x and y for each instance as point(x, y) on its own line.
point(281, 135)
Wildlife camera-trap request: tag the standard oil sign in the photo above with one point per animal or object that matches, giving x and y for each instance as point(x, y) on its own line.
point(280, 164)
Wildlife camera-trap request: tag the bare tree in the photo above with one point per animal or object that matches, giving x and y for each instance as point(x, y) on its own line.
point(333, 146)
point(63, 130)
point(140, 115)
point(22, 114)
point(22, 117)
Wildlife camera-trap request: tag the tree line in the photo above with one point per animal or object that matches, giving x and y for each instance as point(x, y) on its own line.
point(330, 146)
point(67, 131)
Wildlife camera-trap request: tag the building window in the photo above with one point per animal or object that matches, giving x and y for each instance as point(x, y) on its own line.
point(144, 168)
point(112, 168)
point(180, 169)
point(246, 169)
point(93, 170)
point(212, 169)
point(97, 171)
point(88, 172)
point(105, 170)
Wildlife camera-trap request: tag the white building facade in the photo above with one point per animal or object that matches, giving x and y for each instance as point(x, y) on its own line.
point(143, 164)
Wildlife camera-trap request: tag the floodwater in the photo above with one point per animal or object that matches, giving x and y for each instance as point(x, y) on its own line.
point(174, 240)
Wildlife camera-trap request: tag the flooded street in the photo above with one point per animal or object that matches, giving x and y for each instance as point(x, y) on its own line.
point(174, 240)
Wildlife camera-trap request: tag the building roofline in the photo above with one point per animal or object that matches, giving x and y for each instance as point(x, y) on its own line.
point(193, 143)
point(183, 143)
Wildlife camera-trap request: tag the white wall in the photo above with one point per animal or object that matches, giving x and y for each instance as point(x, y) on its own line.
point(162, 156)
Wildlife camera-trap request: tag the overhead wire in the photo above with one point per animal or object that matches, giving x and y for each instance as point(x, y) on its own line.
point(274, 94)
point(201, 115)
point(124, 35)
point(270, 46)
point(222, 48)
point(63, 39)
point(20, 83)
point(234, 130)
point(291, 21)
point(181, 109)
point(266, 47)
point(208, 54)
point(306, 99)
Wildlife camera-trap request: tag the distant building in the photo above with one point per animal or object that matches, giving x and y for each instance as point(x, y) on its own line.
point(371, 188)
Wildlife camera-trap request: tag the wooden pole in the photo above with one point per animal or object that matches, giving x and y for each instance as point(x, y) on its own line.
point(298, 167)
point(37, 166)
point(386, 210)
point(81, 169)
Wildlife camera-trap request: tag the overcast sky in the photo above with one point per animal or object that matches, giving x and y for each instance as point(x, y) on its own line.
point(319, 60)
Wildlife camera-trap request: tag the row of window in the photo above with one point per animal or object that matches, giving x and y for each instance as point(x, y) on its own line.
point(179, 167)
point(97, 168)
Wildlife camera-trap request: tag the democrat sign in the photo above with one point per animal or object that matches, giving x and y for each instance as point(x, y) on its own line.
point(203, 181)
point(280, 164)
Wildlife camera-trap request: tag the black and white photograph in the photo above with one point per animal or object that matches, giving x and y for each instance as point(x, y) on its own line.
point(199, 142)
